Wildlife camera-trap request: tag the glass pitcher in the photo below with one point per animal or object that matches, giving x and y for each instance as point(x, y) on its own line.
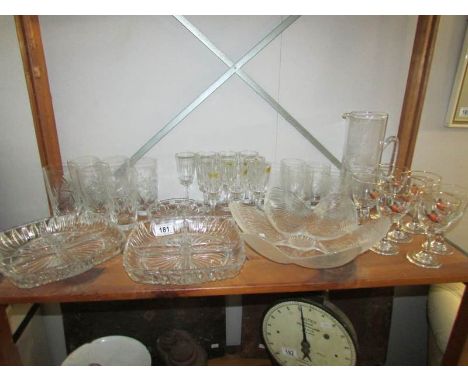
point(365, 141)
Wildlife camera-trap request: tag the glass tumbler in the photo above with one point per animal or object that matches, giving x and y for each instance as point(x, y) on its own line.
point(146, 183)
point(94, 191)
point(120, 181)
point(61, 192)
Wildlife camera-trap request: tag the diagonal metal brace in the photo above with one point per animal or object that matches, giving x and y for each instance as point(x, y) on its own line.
point(260, 91)
point(215, 85)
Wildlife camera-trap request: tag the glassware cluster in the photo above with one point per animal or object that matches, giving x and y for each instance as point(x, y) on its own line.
point(307, 212)
point(225, 176)
point(109, 186)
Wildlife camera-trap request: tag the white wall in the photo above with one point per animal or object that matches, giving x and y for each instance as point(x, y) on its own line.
point(22, 193)
point(116, 81)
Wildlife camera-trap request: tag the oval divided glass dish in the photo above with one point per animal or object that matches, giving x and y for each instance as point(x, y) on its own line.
point(184, 250)
point(57, 248)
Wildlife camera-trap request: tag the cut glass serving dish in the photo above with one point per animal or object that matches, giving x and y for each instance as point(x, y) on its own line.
point(184, 250)
point(57, 248)
point(263, 237)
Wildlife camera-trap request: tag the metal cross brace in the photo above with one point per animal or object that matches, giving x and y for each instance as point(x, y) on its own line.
point(235, 68)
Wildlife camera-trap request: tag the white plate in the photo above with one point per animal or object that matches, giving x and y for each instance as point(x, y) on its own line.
point(110, 351)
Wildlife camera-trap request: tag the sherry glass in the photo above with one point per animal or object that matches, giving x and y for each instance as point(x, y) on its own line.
point(243, 157)
point(432, 180)
point(228, 164)
point(259, 173)
point(201, 181)
point(437, 211)
point(437, 245)
point(211, 172)
point(185, 162)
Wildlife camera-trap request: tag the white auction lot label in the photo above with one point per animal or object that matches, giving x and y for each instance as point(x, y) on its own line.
point(163, 229)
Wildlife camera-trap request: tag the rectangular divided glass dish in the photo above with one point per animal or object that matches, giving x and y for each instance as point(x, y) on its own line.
point(184, 250)
point(57, 248)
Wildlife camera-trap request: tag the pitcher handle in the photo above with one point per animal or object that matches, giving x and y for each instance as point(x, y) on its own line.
point(396, 144)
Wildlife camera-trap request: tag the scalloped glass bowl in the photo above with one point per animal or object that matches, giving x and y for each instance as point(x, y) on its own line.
point(57, 248)
point(334, 216)
point(197, 249)
point(262, 236)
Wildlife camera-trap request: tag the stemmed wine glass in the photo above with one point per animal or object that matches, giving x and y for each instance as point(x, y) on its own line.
point(185, 162)
point(432, 183)
point(395, 201)
point(437, 245)
point(211, 173)
point(437, 210)
point(258, 173)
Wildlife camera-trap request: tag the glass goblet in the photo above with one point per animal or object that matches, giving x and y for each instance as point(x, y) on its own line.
point(399, 177)
point(438, 245)
point(395, 201)
point(185, 162)
point(432, 183)
point(437, 210)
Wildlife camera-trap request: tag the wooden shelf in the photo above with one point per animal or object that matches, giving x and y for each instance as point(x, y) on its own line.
point(258, 275)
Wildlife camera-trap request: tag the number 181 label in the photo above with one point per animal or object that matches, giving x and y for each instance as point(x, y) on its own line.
point(163, 229)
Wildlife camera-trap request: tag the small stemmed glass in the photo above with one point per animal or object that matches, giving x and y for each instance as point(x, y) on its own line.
point(437, 245)
point(258, 174)
point(437, 211)
point(185, 162)
point(395, 200)
point(432, 183)
point(211, 175)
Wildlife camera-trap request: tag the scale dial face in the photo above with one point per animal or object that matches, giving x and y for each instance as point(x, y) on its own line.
point(305, 333)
